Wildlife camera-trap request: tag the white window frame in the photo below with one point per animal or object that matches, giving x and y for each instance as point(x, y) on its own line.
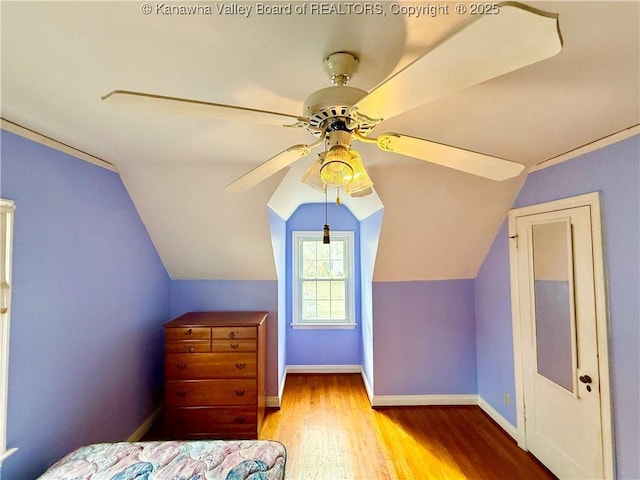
point(6, 248)
point(297, 322)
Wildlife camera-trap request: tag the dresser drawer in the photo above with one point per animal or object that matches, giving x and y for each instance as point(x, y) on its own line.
point(227, 345)
point(211, 430)
point(210, 392)
point(197, 346)
point(207, 419)
point(233, 333)
point(185, 366)
point(187, 333)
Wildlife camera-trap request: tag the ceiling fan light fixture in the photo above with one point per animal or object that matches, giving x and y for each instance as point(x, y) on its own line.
point(312, 175)
point(361, 180)
point(336, 169)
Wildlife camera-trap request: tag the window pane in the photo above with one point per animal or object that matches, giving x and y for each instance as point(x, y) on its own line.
point(323, 309)
point(308, 310)
point(308, 268)
point(324, 269)
point(324, 251)
point(309, 250)
point(324, 290)
point(337, 250)
point(338, 311)
point(337, 290)
point(337, 269)
point(309, 290)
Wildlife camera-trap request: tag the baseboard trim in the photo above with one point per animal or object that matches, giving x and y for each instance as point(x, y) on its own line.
point(498, 418)
point(281, 386)
point(140, 432)
point(367, 386)
point(423, 400)
point(320, 369)
point(7, 453)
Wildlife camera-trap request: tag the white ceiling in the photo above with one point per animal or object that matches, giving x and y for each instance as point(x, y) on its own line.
point(59, 58)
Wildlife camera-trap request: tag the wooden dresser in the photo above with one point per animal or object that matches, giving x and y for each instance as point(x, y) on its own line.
point(215, 375)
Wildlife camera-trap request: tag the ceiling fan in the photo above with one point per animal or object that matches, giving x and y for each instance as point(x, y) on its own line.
point(512, 37)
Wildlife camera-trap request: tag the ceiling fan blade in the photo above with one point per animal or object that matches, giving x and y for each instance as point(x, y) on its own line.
point(268, 168)
point(464, 160)
point(491, 46)
point(185, 106)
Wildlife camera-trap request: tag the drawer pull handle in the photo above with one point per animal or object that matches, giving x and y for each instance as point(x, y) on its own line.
point(234, 345)
point(240, 366)
point(188, 331)
point(239, 393)
point(238, 419)
point(232, 335)
point(192, 349)
point(181, 366)
point(181, 393)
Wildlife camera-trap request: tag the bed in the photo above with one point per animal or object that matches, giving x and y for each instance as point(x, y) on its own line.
point(173, 460)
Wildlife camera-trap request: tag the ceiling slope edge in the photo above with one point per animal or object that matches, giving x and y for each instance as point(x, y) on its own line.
point(57, 145)
point(589, 147)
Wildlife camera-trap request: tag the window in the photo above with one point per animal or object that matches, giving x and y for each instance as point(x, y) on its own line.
point(6, 235)
point(323, 280)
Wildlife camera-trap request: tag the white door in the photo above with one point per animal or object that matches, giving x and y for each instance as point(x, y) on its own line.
point(559, 342)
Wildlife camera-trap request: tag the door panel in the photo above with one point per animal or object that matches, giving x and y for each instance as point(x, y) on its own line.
point(559, 343)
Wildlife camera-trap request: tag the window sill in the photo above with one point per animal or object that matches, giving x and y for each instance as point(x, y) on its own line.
point(323, 326)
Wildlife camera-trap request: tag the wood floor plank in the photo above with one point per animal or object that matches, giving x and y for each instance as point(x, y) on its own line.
point(332, 433)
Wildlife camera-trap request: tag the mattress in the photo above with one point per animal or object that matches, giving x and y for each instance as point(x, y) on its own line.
point(173, 460)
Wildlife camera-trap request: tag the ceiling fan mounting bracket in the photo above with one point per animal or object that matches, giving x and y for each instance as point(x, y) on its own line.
point(340, 66)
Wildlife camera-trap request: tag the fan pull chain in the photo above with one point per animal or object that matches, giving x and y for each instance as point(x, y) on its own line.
point(338, 201)
point(325, 231)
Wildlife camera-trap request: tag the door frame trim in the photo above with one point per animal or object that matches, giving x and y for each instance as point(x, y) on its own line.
point(591, 200)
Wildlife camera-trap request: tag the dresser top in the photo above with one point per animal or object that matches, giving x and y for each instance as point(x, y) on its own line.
point(216, 319)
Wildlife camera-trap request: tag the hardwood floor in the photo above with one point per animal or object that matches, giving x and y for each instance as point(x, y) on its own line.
point(332, 433)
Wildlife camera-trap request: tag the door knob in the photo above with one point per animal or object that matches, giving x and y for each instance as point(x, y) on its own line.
point(585, 379)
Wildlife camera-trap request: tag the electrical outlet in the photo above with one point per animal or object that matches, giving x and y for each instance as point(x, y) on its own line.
point(507, 399)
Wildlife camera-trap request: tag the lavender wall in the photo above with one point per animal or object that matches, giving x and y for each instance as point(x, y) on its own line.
point(494, 338)
point(615, 172)
point(259, 295)
point(90, 295)
point(424, 337)
point(323, 347)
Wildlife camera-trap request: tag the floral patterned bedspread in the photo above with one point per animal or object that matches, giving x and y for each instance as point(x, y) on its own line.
point(173, 460)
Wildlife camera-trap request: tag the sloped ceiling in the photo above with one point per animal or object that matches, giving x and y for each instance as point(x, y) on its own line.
point(59, 58)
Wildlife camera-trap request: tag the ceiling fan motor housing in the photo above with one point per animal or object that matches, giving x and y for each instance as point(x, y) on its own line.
point(338, 134)
point(335, 102)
